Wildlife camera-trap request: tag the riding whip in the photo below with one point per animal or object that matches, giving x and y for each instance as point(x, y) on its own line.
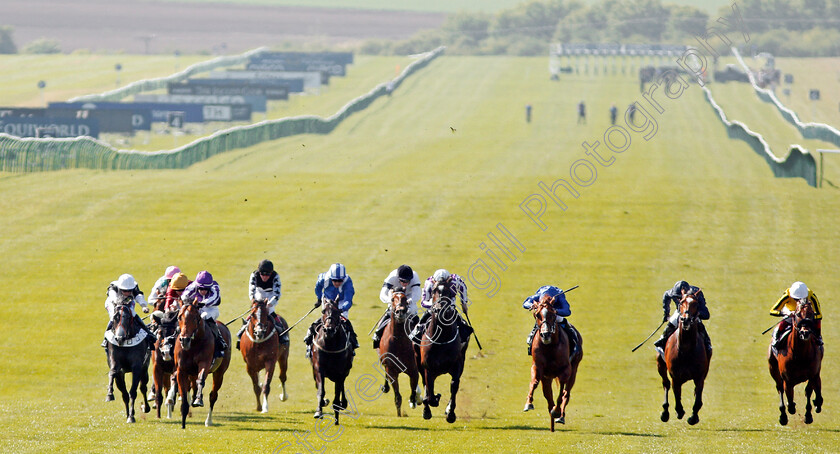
point(296, 323)
point(771, 327)
point(239, 316)
point(651, 335)
point(377, 322)
point(474, 334)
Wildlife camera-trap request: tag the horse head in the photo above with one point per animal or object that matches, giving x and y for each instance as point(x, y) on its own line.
point(399, 306)
point(804, 323)
point(546, 317)
point(689, 307)
point(189, 323)
point(331, 318)
point(167, 329)
point(258, 321)
point(123, 326)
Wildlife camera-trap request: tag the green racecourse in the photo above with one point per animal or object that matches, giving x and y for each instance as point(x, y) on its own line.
point(421, 178)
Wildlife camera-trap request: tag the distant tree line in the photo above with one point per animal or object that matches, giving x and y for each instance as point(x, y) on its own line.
point(782, 27)
point(39, 46)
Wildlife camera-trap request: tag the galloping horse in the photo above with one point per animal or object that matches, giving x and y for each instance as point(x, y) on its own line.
point(261, 349)
point(799, 361)
point(332, 357)
point(163, 364)
point(396, 351)
point(685, 359)
point(127, 352)
point(441, 351)
point(550, 360)
point(194, 360)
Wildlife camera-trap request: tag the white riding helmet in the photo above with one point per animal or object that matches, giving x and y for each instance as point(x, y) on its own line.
point(441, 275)
point(337, 272)
point(127, 282)
point(798, 290)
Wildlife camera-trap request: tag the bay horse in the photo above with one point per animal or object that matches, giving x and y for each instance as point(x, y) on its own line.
point(441, 351)
point(194, 361)
point(127, 352)
point(332, 357)
point(163, 363)
point(261, 349)
point(550, 361)
point(799, 361)
point(396, 351)
point(685, 358)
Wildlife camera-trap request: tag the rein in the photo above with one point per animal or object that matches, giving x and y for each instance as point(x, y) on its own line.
point(323, 348)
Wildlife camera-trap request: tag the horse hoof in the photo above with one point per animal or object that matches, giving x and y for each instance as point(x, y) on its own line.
point(528, 407)
point(411, 404)
point(783, 419)
point(818, 409)
point(385, 387)
point(198, 403)
point(680, 414)
point(109, 398)
point(808, 418)
point(792, 409)
point(561, 420)
point(450, 418)
point(693, 419)
point(318, 415)
point(283, 397)
point(147, 408)
point(427, 414)
point(130, 419)
point(665, 416)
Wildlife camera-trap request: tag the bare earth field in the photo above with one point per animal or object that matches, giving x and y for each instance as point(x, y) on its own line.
point(141, 27)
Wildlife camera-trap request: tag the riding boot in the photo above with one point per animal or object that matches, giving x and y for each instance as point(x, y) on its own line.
point(380, 327)
point(416, 335)
point(465, 330)
point(669, 329)
point(220, 344)
point(108, 328)
point(779, 339)
point(239, 333)
point(278, 325)
point(707, 341)
point(310, 335)
point(352, 333)
point(570, 333)
point(819, 332)
point(149, 334)
point(531, 337)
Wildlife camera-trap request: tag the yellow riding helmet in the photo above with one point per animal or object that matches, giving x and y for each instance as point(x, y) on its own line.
point(179, 282)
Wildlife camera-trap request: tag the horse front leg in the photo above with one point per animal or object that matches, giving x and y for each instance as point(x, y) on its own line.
point(809, 418)
point(454, 385)
point(549, 397)
point(429, 398)
point(678, 406)
point(338, 399)
point(183, 381)
point(120, 380)
point(144, 381)
point(320, 384)
point(789, 394)
point(266, 389)
point(396, 386)
point(218, 379)
point(818, 398)
point(666, 385)
point(698, 401)
point(198, 400)
point(255, 384)
point(536, 376)
point(413, 379)
point(282, 362)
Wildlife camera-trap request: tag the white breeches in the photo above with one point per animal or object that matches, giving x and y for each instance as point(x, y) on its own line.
point(211, 312)
point(260, 294)
point(675, 318)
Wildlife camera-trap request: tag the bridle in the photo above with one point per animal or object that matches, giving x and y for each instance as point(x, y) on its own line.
point(261, 333)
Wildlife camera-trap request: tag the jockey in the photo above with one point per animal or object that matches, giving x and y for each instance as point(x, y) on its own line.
point(125, 289)
point(176, 288)
point(402, 278)
point(456, 286)
point(786, 306)
point(265, 285)
point(561, 305)
point(334, 285)
point(675, 294)
point(205, 292)
point(162, 285)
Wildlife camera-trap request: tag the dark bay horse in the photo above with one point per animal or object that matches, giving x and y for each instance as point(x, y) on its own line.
point(799, 361)
point(194, 360)
point(550, 361)
point(441, 351)
point(396, 351)
point(685, 359)
point(261, 349)
point(163, 363)
point(127, 352)
point(332, 358)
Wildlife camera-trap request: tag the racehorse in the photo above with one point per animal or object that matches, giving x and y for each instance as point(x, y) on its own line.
point(127, 352)
point(396, 351)
point(685, 358)
point(163, 365)
point(261, 349)
point(194, 360)
point(332, 357)
point(799, 361)
point(550, 360)
point(441, 350)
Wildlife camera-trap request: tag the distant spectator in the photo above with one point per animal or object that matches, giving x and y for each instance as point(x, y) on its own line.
point(632, 111)
point(581, 113)
point(527, 113)
point(613, 114)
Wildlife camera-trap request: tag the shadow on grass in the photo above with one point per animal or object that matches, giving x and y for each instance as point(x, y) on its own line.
point(402, 428)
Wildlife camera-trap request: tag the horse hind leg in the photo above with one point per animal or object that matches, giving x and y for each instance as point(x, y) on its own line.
point(698, 403)
point(678, 406)
point(453, 393)
point(414, 399)
point(818, 399)
point(397, 395)
point(789, 394)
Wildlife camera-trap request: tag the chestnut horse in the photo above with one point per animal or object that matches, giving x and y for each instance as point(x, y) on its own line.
point(163, 364)
point(550, 360)
point(332, 358)
point(441, 351)
point(261, 349)
point(396, 351)
point(194, 360)
point(127, 352)
point(685, 359)
point(799, 361)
